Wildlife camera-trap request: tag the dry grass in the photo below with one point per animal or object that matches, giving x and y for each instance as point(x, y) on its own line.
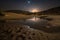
point(16, 16)
point(9, 15)
point(56, 19)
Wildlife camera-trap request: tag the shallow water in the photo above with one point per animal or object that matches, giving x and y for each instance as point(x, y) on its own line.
point(33, 22)
point(37, 23)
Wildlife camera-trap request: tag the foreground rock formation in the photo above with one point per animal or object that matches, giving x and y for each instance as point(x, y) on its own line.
point(15, 31)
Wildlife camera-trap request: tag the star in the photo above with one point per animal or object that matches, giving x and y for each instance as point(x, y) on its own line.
point(28, 2)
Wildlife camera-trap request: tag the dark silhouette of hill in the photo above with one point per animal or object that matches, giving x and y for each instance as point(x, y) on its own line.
point(19, 12)
point(15, 11)
point(53, 11)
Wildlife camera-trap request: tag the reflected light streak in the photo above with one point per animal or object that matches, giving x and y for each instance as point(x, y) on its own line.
point(34, 19)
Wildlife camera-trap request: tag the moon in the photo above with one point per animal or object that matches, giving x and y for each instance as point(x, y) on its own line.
point(35, 10)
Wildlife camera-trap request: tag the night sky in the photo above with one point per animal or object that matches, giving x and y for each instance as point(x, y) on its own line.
point(28, 4)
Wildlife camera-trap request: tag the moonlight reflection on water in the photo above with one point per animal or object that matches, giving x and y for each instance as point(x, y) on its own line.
point(33, 22)
point(34, 19)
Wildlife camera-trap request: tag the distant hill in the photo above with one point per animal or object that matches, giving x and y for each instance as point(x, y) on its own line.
point(15, 11)
point(19, 12)
point(53, 11)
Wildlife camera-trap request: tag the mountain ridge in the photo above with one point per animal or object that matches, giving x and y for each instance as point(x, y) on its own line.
point(55, 11)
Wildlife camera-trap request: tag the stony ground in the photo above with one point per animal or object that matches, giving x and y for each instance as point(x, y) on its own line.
point(15, 31)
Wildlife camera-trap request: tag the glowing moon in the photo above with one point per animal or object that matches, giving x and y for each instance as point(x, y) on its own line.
point(34, 10)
